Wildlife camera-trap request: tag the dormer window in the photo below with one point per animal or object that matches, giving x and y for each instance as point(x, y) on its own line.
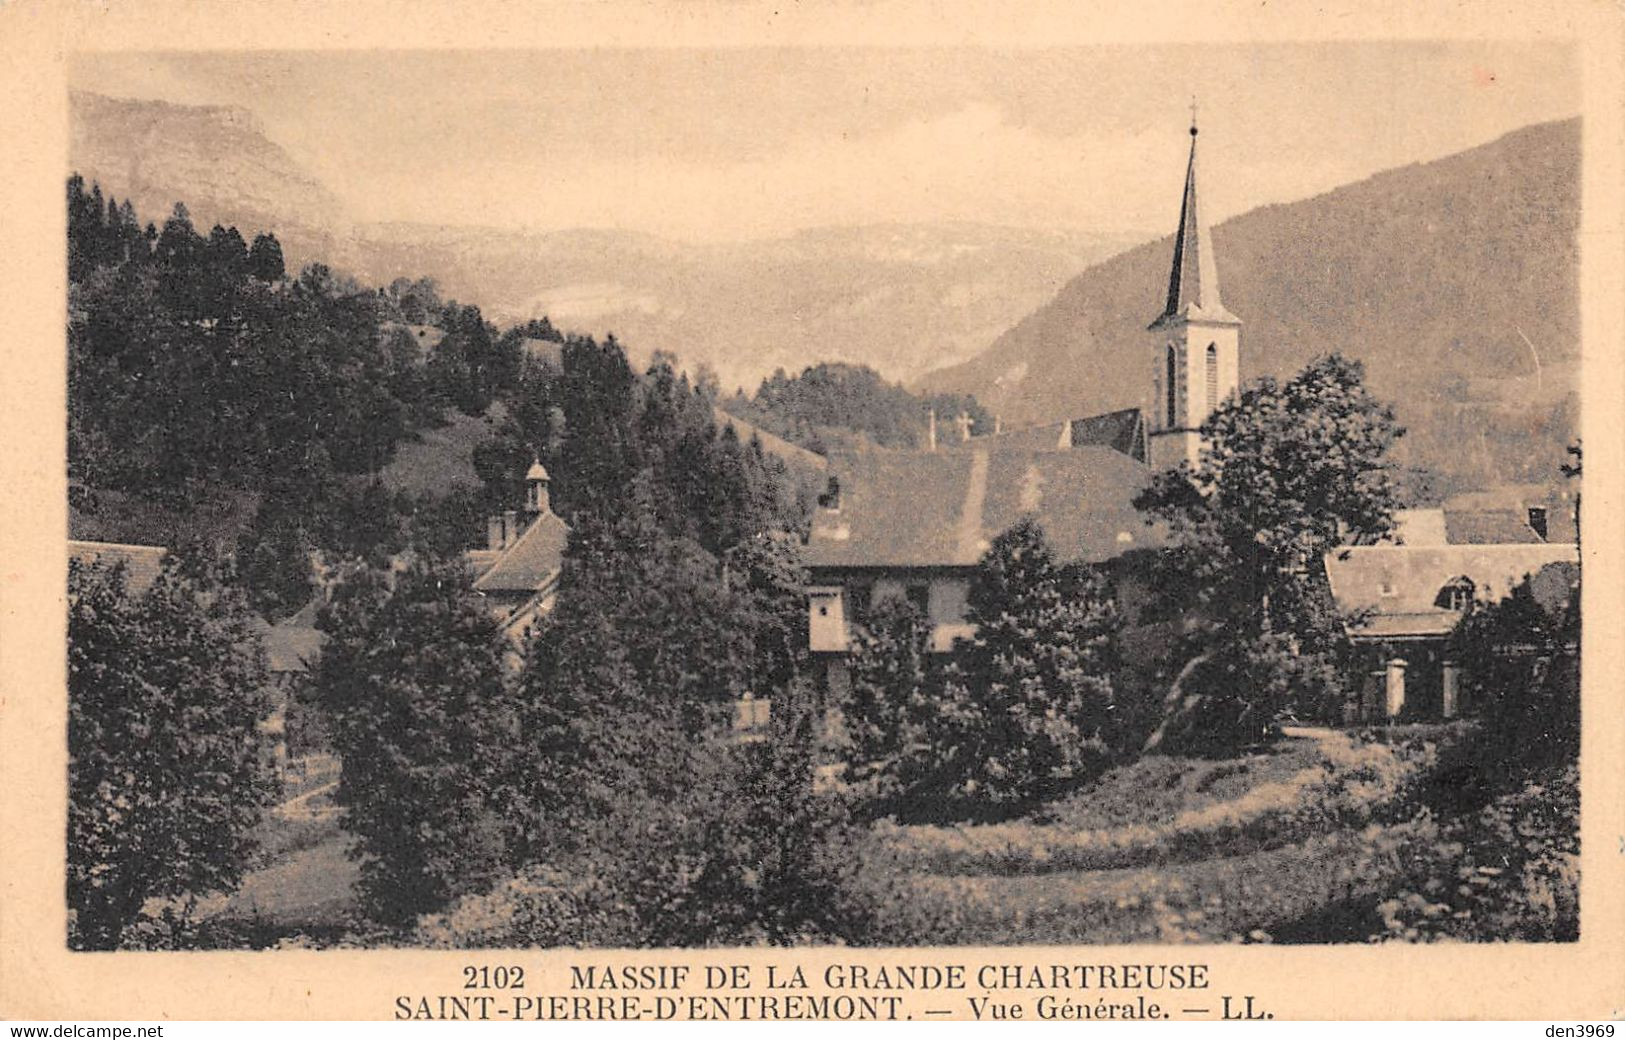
point(1457, 594)
point(831, 498)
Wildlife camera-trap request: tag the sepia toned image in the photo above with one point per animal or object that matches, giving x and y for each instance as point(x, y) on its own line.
point(705, 513)
point(474, 546)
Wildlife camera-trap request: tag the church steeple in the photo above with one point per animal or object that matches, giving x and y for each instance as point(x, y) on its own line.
point(1198, 342)
point(1193, 284)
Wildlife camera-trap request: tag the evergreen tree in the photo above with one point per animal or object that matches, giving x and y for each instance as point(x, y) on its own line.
point(1035, 678)
point(1023, 710)
point(265, 259)
point(167, 772)
point(893, 712)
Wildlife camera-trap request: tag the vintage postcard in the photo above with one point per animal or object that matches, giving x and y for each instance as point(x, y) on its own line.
point(704, 512)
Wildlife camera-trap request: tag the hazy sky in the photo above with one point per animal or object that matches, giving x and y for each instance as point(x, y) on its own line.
point(732, 143)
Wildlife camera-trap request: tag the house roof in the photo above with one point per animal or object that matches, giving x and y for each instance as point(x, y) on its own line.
point(1487, 527)
point(141, 563)
point(905, 509)
point(1193, 282)
point(1401, 584)
point(529, 563)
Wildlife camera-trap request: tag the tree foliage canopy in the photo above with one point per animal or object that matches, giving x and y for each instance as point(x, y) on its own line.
point(167, 772)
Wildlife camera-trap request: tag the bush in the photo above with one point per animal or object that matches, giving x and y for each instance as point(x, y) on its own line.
point(1233, 696)
point(1508, 873)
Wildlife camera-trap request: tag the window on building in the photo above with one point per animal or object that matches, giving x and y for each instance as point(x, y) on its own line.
point(919, 594)
point(1457, 594)
point(1212, 376)
point(831, 498)
point(1173, 388)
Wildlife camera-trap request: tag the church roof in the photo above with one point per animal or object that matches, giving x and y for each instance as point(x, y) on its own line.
point(529, 563)
point(1193, 284)
point(1122, 431)
point(906, 509)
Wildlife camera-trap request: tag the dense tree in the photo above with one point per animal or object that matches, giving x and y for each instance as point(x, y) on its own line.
point(892, 712)
point(1521, 668)
point(265, 260)
point(422, 715)
point(1022, 711)
point(1034, 680)
point(1289, 471)
point(167, 775)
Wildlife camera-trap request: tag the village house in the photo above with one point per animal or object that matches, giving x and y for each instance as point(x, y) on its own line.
point(1405, 595)
point(517, 573)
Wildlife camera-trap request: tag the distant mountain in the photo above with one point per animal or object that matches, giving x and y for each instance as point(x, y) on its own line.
point(901, 298)
point(1455, 281)
point(214, 158)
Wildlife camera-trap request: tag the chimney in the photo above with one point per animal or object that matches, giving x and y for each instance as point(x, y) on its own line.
point(931, 432)
point(496, 533)
point(1537, 520)
point(510, 526)
point(998, 425)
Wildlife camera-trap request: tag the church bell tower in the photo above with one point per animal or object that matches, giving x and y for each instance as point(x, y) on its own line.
point(1197, 341)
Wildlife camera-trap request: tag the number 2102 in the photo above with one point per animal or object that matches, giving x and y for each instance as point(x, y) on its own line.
point(500, 977)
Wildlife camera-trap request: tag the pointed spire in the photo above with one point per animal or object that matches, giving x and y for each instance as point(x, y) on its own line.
point(1193, 284)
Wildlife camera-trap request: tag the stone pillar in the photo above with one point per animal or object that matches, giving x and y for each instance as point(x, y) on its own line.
point(1450, 689)
point(1394, 686)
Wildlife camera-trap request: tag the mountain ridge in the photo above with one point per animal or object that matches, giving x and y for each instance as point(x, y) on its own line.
point(1455, 281)
point(902, 298)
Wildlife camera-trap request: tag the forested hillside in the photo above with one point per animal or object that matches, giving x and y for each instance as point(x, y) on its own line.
point(834, 407)
point(1455, 282)
point(903, 298)
point(215, 397)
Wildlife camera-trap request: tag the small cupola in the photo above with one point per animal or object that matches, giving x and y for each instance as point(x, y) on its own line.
point(536, 484)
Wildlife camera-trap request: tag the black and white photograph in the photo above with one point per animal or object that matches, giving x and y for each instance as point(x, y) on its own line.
point(834, 496)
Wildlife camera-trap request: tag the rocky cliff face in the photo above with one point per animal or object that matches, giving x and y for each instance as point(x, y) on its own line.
point(216, 159)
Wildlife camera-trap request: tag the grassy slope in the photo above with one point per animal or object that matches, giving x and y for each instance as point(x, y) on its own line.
point(441, 458)
point(1159, 850)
